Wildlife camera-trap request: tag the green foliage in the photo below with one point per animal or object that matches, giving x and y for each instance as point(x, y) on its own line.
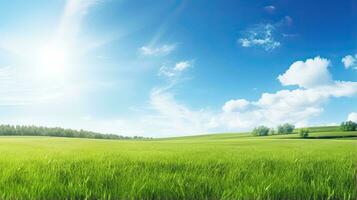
point(272, 131)
point(57, 132)
point(349, 126)
point(304, 133)
point(286, 129)
point(214, 167)
point(261, 131)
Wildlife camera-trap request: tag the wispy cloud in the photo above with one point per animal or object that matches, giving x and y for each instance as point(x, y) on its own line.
point(162, 29)
point(174, 118)
point(72, 17)
point(164, 114)
point(183, 65)
point(266, 35)
point(170, 116)
point(163, 50)
point(175, 71)
point(260, 35)
point(269, 9)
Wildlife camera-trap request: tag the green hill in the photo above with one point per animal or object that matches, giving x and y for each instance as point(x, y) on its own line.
point(320, 132)
point(217, 166)
point(324, 129)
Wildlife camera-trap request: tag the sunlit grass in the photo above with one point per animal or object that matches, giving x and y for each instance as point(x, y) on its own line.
point(221, 167)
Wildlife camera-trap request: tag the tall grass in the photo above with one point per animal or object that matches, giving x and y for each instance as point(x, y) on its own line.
point(58, 168)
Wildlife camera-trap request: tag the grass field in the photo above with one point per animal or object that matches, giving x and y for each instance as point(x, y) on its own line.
point(222, 166)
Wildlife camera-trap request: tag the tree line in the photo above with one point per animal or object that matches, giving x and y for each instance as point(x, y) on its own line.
point(21, 130)
point(289, 129)
point(349, 126)
point(280, 130)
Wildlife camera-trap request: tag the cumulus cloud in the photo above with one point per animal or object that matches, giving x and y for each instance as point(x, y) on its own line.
point(352, 117)
point(234, 105)
point(163, 50)
point(260, 35)
point(297, 106)
point(294, 106)
point(350, 61)
point(311, 73)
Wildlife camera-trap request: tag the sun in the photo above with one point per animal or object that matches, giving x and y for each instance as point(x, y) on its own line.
point(52, 60)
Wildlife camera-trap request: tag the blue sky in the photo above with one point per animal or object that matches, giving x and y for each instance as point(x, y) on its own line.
point(169, 67)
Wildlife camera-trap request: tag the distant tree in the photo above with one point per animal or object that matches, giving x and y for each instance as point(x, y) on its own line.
point(349, 126)
point(261, 131)
point(57, 132)
point(304, 133)
point(286, 129)
point(272, 131)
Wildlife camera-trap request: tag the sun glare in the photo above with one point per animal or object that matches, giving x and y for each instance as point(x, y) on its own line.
point(52, 60)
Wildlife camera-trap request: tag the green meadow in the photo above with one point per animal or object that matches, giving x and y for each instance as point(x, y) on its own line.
point(220, 166)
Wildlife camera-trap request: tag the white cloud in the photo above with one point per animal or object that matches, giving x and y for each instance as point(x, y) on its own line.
point(311, 73)
point(270, 9)
point(163, 50)
point(266, 35)
point(183, 65)
point(260, 35)
point(234, 105)
point(176, 70)
point(350, 61)
point(297, 106)
point(352, 117)
point(166, 71)
point(167, 116)
point(173, 118)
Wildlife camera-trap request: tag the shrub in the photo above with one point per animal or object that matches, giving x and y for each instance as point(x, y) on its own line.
point(286, 128)
point(304, 133)
point(349, 126)
point(261, 131)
